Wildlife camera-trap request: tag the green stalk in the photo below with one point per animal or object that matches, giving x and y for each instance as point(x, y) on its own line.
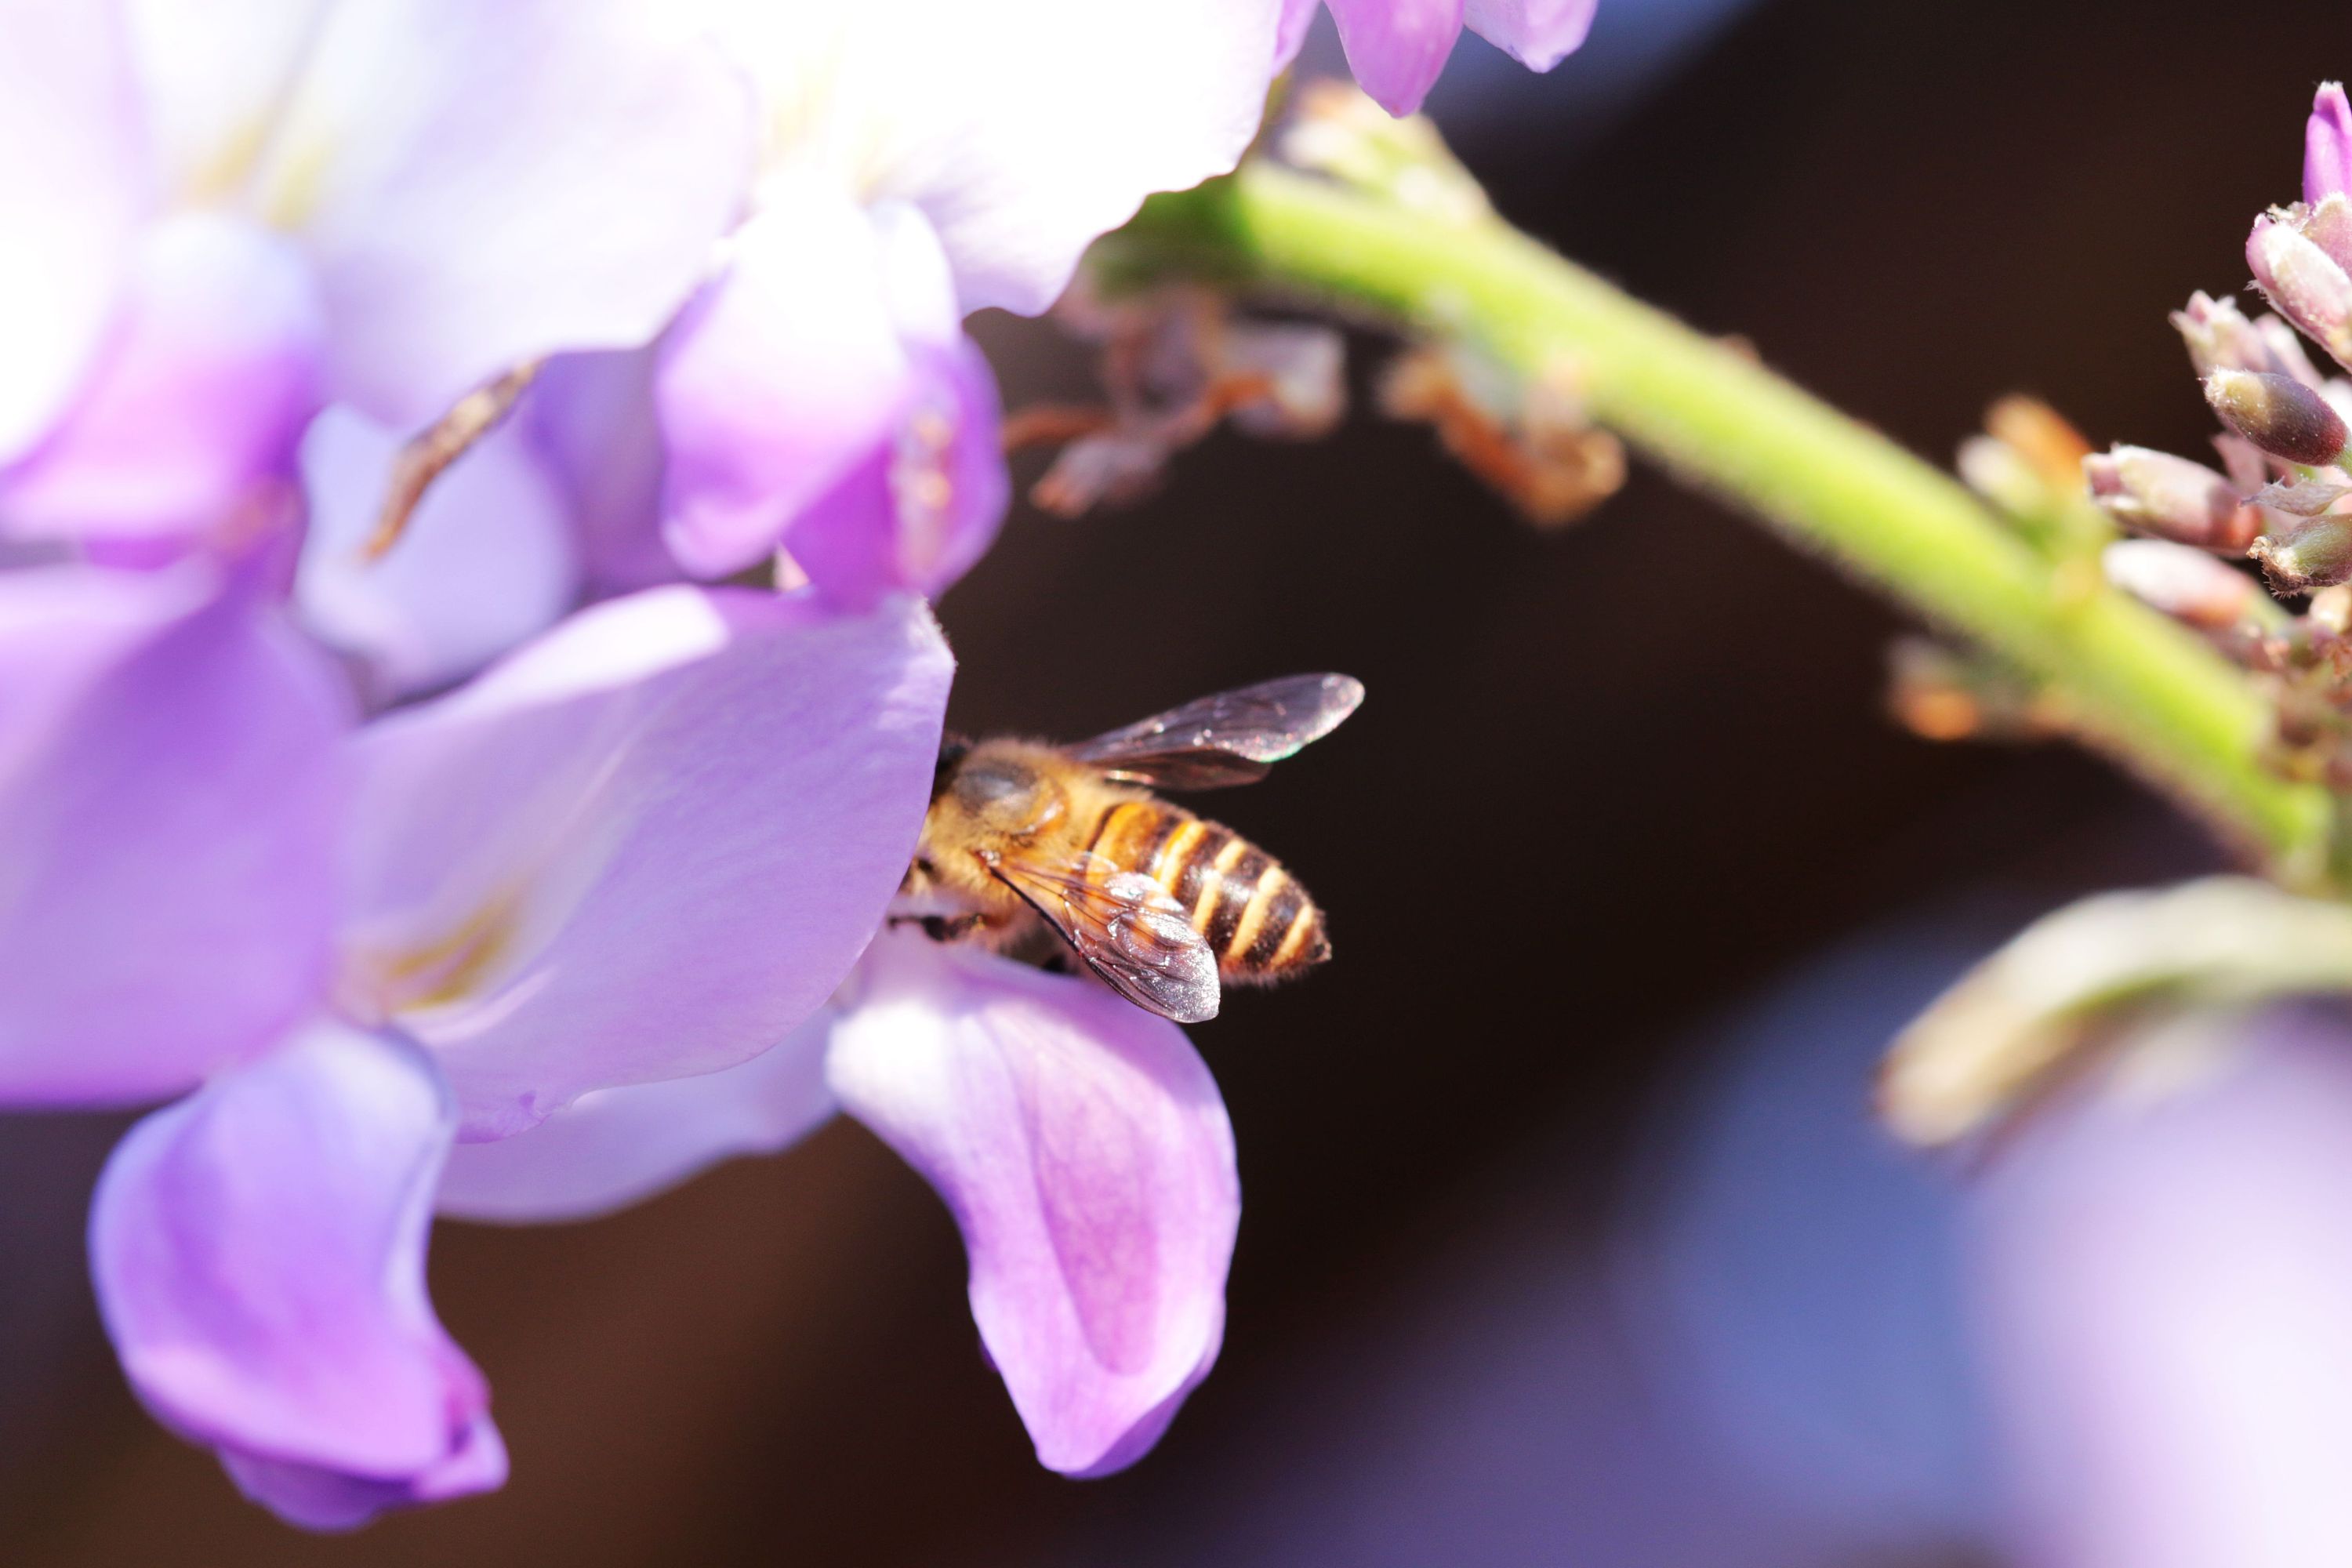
point(2145, 689)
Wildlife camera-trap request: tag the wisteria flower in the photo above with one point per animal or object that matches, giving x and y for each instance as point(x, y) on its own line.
point(1397, 47)
point(819, 394)
point(648, 844)
point(1079, 1141)
point(222, 217)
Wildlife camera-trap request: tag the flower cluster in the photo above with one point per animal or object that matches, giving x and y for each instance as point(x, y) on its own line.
point(517, 873)
point(2280, 494)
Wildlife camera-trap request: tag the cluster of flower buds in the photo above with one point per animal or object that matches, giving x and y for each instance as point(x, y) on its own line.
point(2282, 496)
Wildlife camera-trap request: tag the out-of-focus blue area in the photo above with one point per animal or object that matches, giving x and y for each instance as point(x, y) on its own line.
point(1796, 1278)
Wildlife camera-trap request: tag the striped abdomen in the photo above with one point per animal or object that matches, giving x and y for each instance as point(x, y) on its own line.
point(1256, 917)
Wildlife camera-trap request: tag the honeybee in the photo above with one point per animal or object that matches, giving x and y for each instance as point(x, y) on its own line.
point(1025, 839)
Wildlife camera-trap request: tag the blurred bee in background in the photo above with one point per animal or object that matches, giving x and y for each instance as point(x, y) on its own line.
point(1025, 842)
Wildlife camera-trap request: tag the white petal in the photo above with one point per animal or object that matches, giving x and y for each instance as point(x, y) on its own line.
point(485, 183)
point(73, 188)
point(1023, 129)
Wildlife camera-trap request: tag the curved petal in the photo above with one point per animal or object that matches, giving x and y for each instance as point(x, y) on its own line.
point(74, 186)
point(782, 376)
point(169, 808)
point(185, 431)
point(490, 560)
point(1081, 1144)
point(1023, 129)
point(614, 1147)
point(483, 185)
point(1397, 47)
point(1539, 34)
point(645, 847)
point(258, 1250)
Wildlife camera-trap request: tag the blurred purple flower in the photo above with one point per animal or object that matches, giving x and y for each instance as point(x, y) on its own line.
point(647, 846)
point(1397, 47)
point(920, 161)
point(220, 219)
point(1079, 1141)
point(2166, 1283)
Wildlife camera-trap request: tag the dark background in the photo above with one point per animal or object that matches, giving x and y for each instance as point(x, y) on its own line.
point(1607, 784)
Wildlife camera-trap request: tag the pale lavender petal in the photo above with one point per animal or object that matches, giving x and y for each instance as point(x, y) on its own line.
point(1083, 1149)
point(490, 560)
point(74, 187)
point(592, 418)
point(782, 375)
point(258, 1250)
point(2166, 1298)
point(2327, 145)
point(1023, 129)
point(1290, 31)
point(481, 184)
point(614, 1147)
point(923, 508)
point(645, 847)
point(1397, 47)
point(185, 431)
point(1539, 34)
point(169, 806)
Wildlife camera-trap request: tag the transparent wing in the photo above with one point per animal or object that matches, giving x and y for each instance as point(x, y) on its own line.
point(1127, 929)
point(1231, 738)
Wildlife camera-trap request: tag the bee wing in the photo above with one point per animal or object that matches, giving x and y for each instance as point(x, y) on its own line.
point(1231, 738)
point(1127, 929)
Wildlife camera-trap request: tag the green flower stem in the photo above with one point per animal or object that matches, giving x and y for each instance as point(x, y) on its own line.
point(2145, 689)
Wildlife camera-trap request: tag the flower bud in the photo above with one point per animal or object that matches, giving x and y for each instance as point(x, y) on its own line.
point(2312, 552)
point(2278, 414)
point(2305, 283)
point(2327, 145)
point(2329, 226)
point(2171, 498)
point(2220, 337)
point(2187, 584)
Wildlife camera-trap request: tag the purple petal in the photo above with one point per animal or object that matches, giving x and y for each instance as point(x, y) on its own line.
point(593, 420)
point(169, 806)
point(2166, 1305)
point(645, 847)
point(490, 560)
point(783, 376)
point(548, 175)
point(1290, 31)
point(74, 186)
point(1539, 34)
point(1397, 47)
point(614, 1147)
point(258, 1250)
point(185, 431)
point(1082, 1146)
point(2327, 145)
point(922, 509)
